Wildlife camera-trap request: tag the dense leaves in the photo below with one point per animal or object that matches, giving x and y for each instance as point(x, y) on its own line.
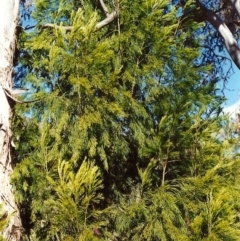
point(122, 143)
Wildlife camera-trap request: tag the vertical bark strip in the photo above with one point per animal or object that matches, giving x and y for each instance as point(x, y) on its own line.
point(9, 10)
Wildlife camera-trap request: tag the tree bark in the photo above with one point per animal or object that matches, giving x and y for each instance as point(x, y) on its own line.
point(9, 11)
point(236, 6)
point(230, 42)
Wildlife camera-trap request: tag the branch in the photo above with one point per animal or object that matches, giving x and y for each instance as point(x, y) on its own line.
point(220, 9)
point(107, 20)
point(236, 6)
point(52, 25)
point(104, 7)
point(110, 18)
point(7, 93)
point(223, 30)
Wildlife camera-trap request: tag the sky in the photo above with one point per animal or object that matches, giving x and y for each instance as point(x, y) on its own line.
point(232, 93)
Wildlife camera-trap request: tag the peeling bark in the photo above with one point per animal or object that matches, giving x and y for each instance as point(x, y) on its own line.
point(9, 10)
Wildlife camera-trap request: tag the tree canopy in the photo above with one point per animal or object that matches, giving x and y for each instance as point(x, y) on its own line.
point(122, 141)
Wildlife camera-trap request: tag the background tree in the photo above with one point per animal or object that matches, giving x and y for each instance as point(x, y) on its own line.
point(221, 29)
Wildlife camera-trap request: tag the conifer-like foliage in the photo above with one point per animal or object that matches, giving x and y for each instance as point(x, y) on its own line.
point(122, 143)
point(4, 219)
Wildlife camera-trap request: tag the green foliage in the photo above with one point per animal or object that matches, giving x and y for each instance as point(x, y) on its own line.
point(4, 219)
point(73, 200)
point(151, 216)
point(123, 143)
point(216, 219)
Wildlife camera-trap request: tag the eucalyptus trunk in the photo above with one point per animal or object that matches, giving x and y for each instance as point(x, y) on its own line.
point(9, 11)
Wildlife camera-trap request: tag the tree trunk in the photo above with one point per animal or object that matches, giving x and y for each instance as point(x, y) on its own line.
point(9, 10)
